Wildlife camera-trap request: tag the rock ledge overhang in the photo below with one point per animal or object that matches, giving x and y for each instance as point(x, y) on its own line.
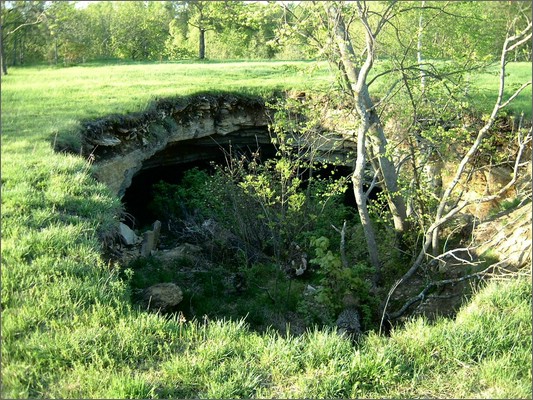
point(120, 144)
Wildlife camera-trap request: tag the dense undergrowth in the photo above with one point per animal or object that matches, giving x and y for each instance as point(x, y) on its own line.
point(69, 330)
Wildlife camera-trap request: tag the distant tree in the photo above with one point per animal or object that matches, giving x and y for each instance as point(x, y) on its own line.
point(206, 16)
point(139, 29)
point(177, 45)
point(15, 17)
point(99, 15)
point(251, 33)
point(69, 30)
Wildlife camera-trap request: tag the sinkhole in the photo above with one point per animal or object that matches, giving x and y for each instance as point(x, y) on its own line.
point(220, 276)
point(233, 263)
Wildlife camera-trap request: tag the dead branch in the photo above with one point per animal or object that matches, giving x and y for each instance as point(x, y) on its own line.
point(453, 253)
point(497, 271)
point(422, 295)
point(396, 284)
point(342, 232)
point(518, 91)
point(38, 20)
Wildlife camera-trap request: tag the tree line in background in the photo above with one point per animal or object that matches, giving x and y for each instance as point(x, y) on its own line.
point(59, 32)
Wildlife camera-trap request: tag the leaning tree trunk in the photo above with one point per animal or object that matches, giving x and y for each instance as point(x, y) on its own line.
point(387, 169)
point(360, 93)
point(361, 201)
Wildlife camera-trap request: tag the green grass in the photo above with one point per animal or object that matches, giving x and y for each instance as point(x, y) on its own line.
point(68, 329)
point(485, 84)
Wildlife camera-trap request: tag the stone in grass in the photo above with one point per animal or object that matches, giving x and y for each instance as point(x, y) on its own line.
point(156, 228)
point(128, 237)
point(162, 297)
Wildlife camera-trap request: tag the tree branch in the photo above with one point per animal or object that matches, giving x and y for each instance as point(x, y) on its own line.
point(342, 232)
point(525, 85)
point(37, 21)
point(421, 296)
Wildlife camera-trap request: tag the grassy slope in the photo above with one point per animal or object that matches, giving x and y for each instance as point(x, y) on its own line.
point(67, 328)
point(484, 88)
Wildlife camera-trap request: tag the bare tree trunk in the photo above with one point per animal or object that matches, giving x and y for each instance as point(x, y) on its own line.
point(22, 51)
point(15, 45)
point(387, 168)
point(201, 50)
point(56, 52)
point(361, 200)
point(367, 110)
point(354, 75)
point(2, 55)
point(3, 64)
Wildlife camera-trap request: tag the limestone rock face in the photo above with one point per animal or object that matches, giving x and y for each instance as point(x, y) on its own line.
point(122, 144)
point(508, 236)
point(186, 130)
point(162, 297)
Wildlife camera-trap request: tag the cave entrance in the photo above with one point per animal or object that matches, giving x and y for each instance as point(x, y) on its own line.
point(170, 164)
point(219, 275)
point(141, 192)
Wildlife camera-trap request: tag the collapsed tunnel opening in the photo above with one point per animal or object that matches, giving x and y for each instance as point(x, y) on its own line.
point(171, 164)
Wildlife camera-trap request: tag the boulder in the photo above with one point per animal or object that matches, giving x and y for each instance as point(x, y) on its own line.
point(126, 234)
point(162, 297)
point(186, 250)
point(148, 243)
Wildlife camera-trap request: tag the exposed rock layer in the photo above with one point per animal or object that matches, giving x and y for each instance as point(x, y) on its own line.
point(122, 144)
point(187, 130)
point(507, 236)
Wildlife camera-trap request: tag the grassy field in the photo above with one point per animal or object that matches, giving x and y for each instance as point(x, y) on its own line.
point(69, 331)
point(484, 88)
